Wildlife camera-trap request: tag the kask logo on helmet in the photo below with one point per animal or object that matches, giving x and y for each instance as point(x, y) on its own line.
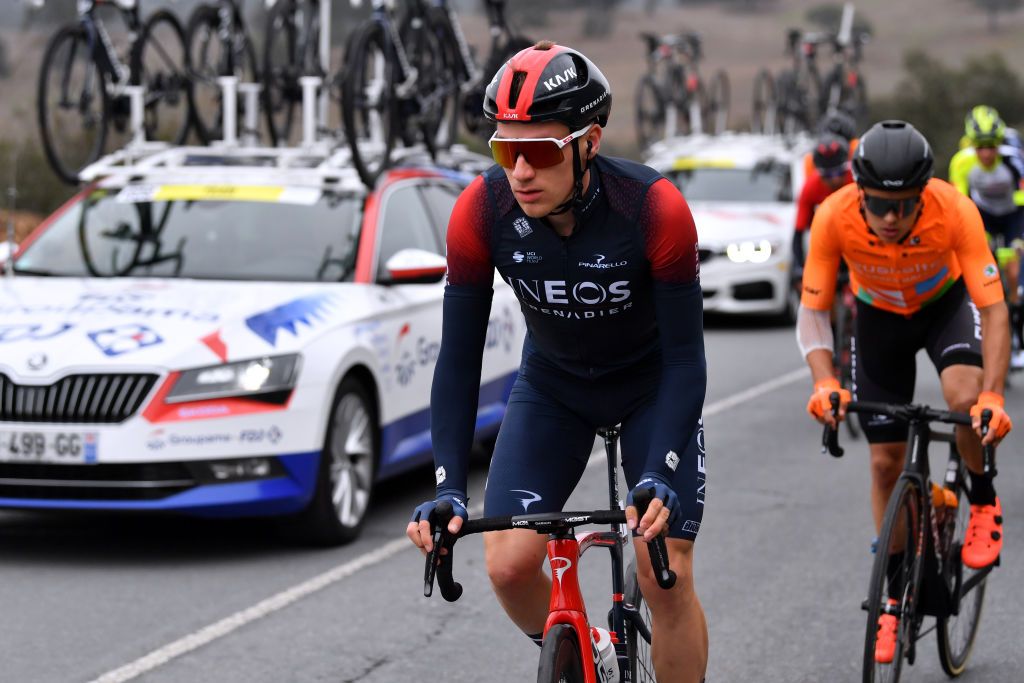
point(561, 79)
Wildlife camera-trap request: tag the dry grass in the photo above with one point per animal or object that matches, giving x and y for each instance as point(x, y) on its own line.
point(24, 223)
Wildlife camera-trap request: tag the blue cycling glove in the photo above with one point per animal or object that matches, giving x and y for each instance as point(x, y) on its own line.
point(458, 499)
point(660, 488)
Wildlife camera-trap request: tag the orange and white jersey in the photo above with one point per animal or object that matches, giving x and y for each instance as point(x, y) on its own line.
point(946, 242)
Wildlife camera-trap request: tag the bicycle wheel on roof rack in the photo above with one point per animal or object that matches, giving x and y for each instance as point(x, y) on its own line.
point(72, 107)
point(650, 112)
point(763, 119)
point(282, 67)
point(561, 656)
point(368, 102)
point(717, 121)
point(160, 64)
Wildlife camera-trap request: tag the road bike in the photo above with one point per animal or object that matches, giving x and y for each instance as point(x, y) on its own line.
point(798, 88)
point(467, 89)
point(917, 570)
point(672, 97)
point(83, 81)
point(218, 45)
point(569, 653)
point(394, 85)
point(843, 88)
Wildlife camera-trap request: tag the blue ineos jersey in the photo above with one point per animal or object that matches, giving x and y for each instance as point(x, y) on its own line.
point(620, 294)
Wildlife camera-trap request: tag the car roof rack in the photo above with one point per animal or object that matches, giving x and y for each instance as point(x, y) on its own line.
point(323, 161)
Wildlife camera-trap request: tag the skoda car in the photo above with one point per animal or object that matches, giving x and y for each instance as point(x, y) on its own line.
point(741, 189)
point(233, 334)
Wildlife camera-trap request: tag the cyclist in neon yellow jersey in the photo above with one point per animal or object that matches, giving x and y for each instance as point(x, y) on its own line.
point(991, 173)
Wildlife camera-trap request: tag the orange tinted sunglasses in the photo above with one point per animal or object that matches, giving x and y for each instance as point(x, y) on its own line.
point(539, 152)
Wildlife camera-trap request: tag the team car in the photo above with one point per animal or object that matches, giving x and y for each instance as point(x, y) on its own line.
point(740, 188)
point(234, 332)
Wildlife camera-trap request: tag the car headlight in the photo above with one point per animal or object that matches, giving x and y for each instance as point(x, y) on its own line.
point(750, 251)
point(239, 379)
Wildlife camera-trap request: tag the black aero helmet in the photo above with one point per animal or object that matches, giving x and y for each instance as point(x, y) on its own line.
point(838, 123)
point(893, 155)
point(549, 82)
point(831, 152)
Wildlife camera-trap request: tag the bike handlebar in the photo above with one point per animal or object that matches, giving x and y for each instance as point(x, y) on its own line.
point(906, 412)
point(439, 565)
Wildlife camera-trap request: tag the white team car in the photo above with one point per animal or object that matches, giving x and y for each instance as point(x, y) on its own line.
point(741, 189)
point(234, 333)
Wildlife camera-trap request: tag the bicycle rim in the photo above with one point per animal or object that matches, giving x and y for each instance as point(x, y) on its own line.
point(718, 104)
point(367, 102)
point(763, 115)
point(71, 104)
point(160, 65)
point(955, 633)
point(638, 648)
point(560, 656)
point(902, 532)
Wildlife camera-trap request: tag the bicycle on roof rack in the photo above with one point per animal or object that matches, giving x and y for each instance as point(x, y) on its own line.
point(798, 88)
point(218, 45)
point(572, 649)
point(917, 569)
point(842, 87)
point(83, 84)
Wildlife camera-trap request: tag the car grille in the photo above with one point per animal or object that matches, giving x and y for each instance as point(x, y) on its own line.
point(145, 481)
point(82, 399)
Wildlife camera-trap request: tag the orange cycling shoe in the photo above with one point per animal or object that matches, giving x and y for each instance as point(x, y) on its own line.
point(885, 641)
point(984, 539)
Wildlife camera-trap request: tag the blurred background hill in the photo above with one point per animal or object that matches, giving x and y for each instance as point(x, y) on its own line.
point(928, 61)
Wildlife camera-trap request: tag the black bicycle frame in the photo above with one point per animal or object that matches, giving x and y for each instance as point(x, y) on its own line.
point(100, 45)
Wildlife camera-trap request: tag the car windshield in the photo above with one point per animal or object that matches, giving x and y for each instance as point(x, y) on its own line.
point(107, 234)
point(767, 182)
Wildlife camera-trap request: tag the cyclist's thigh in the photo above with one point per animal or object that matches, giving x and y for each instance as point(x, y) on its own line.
point(954, 330)
point(690, 477)
point(541, 452)
point(884, 367)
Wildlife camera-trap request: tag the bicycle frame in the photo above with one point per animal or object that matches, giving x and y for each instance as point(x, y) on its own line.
point(408, 73)
point(104, 53)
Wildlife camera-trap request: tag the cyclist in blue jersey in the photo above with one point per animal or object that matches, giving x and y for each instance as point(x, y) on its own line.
point(601, 253)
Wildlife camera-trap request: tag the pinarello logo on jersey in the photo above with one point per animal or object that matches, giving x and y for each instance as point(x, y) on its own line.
point(601, 262)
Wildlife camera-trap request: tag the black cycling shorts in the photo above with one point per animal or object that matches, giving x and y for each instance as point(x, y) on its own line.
point(1008, 226)
point(885, 347)
point(548, 433)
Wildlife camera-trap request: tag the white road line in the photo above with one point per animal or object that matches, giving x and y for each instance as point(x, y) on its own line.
point(208, 634)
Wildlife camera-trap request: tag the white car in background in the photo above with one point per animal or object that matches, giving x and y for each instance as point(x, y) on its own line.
point(741, 190)
point(236, 332)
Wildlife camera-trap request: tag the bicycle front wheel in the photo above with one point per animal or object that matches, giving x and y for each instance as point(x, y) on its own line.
point(895, 580)
point(71, 104)
point(159, 64)
point(367, 101)
point(282, 67)
point(560, 656)
point(955, 633)
point(638, 630)
point(718, 104)
point(764, 110)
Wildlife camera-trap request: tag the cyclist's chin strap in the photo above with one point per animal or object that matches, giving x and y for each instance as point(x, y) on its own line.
point(575, 200)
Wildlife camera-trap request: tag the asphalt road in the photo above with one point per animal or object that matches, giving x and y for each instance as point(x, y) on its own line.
point(782, 564)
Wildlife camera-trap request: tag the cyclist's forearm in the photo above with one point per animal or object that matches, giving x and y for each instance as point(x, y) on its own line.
point(683, 376)
point(995, 346)
point(820, 362)
point(455, 391)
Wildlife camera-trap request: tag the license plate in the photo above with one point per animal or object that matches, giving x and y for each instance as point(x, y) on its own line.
point(53, 447)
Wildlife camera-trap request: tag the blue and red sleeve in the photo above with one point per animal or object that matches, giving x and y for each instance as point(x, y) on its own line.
point(671, 241)
point(455, 392)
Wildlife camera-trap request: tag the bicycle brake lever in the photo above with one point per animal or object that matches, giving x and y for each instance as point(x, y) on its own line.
point(656, 548)
point(830, 437)
point(439, 564)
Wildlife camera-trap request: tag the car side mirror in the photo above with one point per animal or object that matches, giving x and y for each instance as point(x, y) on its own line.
point(413, 266)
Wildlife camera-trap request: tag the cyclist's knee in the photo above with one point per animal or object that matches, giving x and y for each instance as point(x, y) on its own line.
point(681, 562)
point(513, 558)
point(886, 463)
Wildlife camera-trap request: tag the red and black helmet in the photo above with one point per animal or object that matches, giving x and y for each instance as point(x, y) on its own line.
point(831, 153)
point(549, 82)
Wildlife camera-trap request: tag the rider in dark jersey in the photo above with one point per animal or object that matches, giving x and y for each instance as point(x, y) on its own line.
point(602, 255)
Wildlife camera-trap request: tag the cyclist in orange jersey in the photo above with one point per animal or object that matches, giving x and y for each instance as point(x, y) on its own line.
point(916, 249)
